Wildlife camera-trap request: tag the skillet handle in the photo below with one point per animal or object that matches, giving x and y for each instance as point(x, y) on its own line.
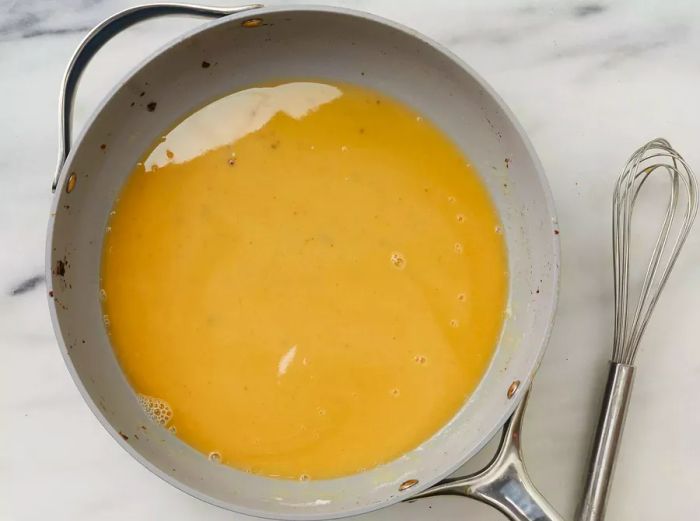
point(100, 35)
point(503, 483)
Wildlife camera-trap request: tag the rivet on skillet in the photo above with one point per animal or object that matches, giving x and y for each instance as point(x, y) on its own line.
point(513, 387)
point(252, 22)
point(72, 179)
point(408, 484)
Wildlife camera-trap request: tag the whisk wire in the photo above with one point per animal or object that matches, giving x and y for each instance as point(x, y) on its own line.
point(628, 330)
point(648, 294)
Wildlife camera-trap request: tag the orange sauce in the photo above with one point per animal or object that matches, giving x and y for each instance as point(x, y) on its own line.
point(310, 276)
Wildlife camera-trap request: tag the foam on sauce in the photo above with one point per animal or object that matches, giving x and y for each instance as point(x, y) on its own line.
point(310, 278)
point(156, 409)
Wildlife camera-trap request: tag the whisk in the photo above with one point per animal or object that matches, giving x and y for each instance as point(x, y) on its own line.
point(655, 156)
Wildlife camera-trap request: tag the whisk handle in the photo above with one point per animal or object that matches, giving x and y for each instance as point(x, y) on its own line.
point(606, 442)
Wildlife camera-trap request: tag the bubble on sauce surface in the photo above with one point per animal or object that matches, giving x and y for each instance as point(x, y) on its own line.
point(105, 319)
point(459, 248)
point(460, 217)
point(395, 392)
point(304, 477)
point(420, 359)
point(398, 260)
point(159, 411)
point(462, 297)
point(498, 230)
point(451, 199)
point(103, 294)
point(214, 457)
point(454, 323)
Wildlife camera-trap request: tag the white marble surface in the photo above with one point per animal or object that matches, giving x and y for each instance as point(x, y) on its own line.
point(588, 81)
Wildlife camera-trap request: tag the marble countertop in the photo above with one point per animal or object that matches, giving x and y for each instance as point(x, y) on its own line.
point(589, 81)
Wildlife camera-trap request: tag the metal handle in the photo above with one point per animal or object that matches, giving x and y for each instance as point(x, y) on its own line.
point(606, 442)
point(100, 35)
point(503, 483)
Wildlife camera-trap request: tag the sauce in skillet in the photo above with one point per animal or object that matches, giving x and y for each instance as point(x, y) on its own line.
point(304, 280)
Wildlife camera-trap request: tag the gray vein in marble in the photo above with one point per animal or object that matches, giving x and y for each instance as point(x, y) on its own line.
point(67, 30)
point(584, 10)
point(621, 47)
point(498, 36)
point(31, 19)
point(505, 32)
point(27, 285)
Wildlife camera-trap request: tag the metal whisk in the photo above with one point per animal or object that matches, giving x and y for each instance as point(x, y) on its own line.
point(655, 156)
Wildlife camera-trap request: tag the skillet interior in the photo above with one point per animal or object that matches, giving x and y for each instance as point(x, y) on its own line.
point(300, 43)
